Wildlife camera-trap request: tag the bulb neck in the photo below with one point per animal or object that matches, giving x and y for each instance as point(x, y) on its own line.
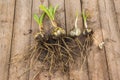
point(85, 24)
point(54, 23)
point(41, 28)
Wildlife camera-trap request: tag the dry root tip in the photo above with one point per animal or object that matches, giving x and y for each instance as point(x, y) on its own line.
point(101, 45)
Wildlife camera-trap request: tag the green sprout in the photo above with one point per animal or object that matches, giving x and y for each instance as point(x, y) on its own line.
point(85, 17)
point(57, 31)
point(39, 21)
point(50, 12)
point(75, 31)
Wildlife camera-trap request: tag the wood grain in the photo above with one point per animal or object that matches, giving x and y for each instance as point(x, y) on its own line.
point(117, 18)
point(6, 26)
point(110, 33)
point(71, 7)
point(117, 11)
point(21, 39)
point(16, 22)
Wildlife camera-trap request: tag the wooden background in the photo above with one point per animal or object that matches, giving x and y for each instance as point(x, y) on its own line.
point(16, 21)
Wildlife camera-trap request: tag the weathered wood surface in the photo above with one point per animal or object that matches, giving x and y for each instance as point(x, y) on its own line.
point(20, 38)
point(16, 21)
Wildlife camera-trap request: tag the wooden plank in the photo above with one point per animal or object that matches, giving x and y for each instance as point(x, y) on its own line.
point(97, 64)
point(35, 10)
point(117, 14)
point(117, 11)
point(6, 25)
point(110, 31)
point(21, 39)
point(71, 7)
point(60, 18)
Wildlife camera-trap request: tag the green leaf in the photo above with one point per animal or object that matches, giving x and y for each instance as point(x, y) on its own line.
point(76, 20)
point(46, 10)
point(55, 10)
point(41, 19)
point(51, 9)
point(36, 18)
point(84, 16)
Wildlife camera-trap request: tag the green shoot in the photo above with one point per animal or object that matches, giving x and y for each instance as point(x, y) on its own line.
point(87, 31)
point(76, 20)
point(39, 20)
point(51, 13)
point(85, 16)
point(36, 18)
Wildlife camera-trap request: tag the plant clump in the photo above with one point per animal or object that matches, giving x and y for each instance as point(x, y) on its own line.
point(57, 31)
point(57, 49)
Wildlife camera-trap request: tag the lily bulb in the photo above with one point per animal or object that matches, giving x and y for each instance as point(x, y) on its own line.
point(58, 31)
point(75, 31)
